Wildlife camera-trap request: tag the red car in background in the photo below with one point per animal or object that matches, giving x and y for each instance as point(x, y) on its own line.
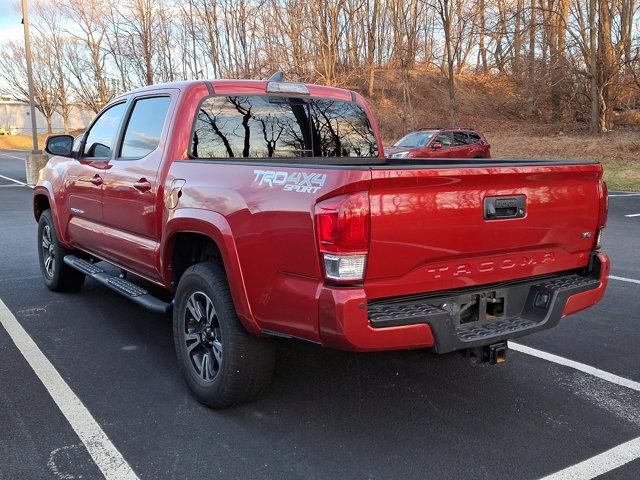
point(441, 143)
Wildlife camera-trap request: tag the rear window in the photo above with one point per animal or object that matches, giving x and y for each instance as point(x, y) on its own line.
point(278, 127)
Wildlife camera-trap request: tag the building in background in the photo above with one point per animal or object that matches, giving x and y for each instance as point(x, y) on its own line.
point(15, 118)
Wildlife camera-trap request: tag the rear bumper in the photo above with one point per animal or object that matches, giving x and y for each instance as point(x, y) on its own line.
point(461, 319)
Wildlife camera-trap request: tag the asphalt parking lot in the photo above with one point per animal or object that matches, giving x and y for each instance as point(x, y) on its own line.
point(327, 414)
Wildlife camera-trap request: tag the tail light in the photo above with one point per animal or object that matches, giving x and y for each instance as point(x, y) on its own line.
point(603, 211)
point(342, 225)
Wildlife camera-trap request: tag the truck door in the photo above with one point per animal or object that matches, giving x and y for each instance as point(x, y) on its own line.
point(132, 194)
point(85, 178)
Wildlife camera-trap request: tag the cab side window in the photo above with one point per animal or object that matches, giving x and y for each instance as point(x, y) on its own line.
point(142, 134)
point(102, 135)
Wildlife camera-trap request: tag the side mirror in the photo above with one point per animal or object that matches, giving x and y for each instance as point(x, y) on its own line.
point(59, 145)
point(436, 146)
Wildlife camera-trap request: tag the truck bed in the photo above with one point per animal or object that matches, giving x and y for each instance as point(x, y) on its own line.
point(402, 163)
point(428, 231)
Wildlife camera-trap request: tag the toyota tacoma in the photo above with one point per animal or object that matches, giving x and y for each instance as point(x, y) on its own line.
point(254, 209)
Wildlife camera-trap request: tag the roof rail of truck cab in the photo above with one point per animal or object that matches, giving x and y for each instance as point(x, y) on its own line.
point(252, 87)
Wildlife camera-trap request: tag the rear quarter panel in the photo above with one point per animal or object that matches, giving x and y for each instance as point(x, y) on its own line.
point(273, 233)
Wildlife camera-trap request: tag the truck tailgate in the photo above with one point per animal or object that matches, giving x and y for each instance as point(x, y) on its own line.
point(441, 227)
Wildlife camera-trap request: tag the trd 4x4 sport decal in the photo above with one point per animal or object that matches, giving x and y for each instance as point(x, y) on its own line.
point(300, 182)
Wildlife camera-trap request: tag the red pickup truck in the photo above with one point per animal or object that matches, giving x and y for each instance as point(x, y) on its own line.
point(267, 209)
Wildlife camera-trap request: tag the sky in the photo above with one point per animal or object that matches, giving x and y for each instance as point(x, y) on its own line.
point(10, 21)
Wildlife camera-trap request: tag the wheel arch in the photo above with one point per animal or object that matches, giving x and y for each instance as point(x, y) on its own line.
point(196, 225)
point(44, 199)
point(41, 201)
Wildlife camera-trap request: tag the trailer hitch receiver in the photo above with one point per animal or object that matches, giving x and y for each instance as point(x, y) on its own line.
point(495, 354)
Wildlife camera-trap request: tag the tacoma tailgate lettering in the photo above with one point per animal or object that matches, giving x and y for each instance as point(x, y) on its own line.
point(456, 270)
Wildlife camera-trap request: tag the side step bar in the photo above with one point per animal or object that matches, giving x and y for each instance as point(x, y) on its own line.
point(120, 285)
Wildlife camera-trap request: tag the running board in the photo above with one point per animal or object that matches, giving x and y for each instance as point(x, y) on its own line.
point(124, 287)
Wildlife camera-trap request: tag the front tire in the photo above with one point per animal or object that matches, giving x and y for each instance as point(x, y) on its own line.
point(222, 364)
point(57, 275)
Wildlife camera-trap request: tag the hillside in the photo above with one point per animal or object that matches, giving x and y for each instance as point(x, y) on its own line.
point(495, 106)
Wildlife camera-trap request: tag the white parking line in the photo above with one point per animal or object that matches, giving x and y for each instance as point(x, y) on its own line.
point(633, 215)
point(105, 455)
point(11, 156)
point(600, 464)
point(16, 181)
point(596, 372)
point(625, 195)
point(624, 279)
point(605, 461)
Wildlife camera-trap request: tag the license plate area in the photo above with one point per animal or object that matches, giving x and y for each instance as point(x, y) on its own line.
point(487, 306)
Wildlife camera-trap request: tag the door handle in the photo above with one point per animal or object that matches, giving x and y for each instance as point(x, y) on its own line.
point(142, 185)
point(496, 208)
point(96, 180)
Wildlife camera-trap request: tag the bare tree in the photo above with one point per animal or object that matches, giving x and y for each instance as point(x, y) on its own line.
point(567, 59)
point(445, 11)
point(13, 72)
point(48, 29)
point(87, 53)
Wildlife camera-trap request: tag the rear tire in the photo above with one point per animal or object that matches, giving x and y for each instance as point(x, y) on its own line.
point(57, 275)
point(222, 364)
